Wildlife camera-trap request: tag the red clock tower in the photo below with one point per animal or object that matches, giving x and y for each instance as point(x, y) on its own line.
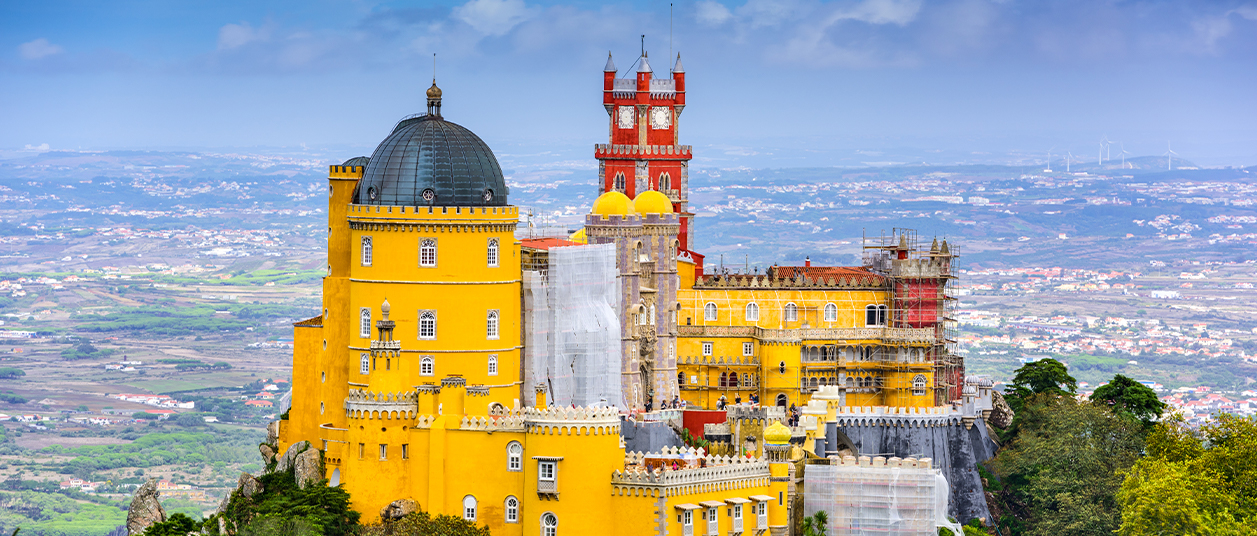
point(644, 152)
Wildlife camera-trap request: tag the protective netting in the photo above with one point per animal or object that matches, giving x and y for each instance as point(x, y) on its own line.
point(879, 498)
point(572, 332)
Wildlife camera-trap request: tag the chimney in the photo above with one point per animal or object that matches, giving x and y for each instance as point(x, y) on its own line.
point(807, 261)
point(541, 397)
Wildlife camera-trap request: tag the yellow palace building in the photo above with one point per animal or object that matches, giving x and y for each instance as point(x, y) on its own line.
point(475, 374)
point(410, 381)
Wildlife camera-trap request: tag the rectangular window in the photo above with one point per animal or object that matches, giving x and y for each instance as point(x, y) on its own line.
point(405, 451)
point(365, 365)
point(364, 323)
point(362, 450)
point(707, 348)
point(383, 452)
point(491, 325)
point(427, 324)
point(748, 348)
point(547, 481)
point(546, 471)
point(493, 253)
point(713, 521)
point(427, 252)
point(366, 251)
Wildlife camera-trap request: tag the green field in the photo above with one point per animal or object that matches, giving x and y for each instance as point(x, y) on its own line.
point(192, 382)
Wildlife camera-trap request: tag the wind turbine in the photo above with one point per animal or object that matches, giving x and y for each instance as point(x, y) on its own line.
point(1124, 153)
point(1107, 143)
point(1169, 156)
point(1101, 159)
point(1067, 159)
point(1049, 162)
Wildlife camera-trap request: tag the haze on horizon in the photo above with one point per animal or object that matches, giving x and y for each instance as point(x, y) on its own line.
point(777, 84)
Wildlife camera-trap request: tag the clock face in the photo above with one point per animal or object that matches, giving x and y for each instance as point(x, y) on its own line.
point(625, 116)
point(660, 118)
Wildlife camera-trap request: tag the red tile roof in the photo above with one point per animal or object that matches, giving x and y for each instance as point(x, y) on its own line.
point(547, 243)
point(820, 272)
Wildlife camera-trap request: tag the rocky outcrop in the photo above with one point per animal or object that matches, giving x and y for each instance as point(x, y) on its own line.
point(268, 453)
point(272, 432)
point(145, 510)
point(307, 468)
point(290, 456)
point(248, 486)
point(1001, 413)
point(398, 509)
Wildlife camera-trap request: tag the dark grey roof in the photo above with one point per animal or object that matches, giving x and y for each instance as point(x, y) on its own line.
point(427, 154)
point(357, 161)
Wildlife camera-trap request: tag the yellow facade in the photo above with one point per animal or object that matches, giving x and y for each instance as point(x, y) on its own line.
point(784, 339)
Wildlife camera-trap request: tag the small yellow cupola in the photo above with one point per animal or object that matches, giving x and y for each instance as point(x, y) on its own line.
point(612, 204)
point(652, 202)
point(777, 434)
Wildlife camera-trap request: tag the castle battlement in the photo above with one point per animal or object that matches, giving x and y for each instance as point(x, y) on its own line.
point(578, 420)
point(364, 404)
point(714, 473)
point(607, 150)
point(742, 281)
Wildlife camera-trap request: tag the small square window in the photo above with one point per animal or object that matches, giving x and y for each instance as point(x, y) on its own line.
point(707, 348)
point(748, 348)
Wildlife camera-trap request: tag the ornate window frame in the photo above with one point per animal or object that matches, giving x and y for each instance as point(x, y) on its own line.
point(427, 252)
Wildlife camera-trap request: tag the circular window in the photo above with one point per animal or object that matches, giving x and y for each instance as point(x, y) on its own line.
point(429, 195)
point(487, 195)
point(371, 193)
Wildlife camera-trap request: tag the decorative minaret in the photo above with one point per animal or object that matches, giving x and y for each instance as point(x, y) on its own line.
point(644, 152)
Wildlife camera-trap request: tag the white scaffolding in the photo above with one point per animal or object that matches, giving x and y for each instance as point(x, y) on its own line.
point(864, 498)
point(571, 329)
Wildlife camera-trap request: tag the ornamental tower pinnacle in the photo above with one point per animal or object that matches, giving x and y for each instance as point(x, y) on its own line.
point(643, 152)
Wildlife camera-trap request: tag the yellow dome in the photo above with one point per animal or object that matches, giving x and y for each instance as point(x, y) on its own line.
point(652, 202)
point(777, 434)
point(579, 236)
point(612, 204)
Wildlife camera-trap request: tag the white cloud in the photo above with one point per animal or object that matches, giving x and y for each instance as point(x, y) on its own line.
point(712, 13)
point(39, 48)
point(43, 147)
point(898, 12)
point(237, 35)
point(1248, 11)
point(493, 17)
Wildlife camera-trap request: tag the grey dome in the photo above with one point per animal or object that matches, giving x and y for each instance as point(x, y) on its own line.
point(427, 154)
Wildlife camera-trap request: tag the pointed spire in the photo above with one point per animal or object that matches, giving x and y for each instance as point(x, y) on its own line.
point(903, 242)
point(610, 68)
point(944, 250)
point(678, 68)
point(934, 246)
point(644, 66)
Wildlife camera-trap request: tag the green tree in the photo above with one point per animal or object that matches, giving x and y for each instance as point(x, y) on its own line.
point(1126, 396)
point(178, 524)
point(1194, 482)
point(1063, 469)
point(10, 373)
point(816, 524)
point(1043, 376)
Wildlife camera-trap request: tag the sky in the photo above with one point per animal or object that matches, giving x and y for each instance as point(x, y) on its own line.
point(770, 84)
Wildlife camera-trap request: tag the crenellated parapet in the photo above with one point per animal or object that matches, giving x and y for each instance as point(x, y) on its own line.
point(889, 336)
point(715, 473)
point(365, 404)
point(498, 420)
point(758, 281)
point(572, 421)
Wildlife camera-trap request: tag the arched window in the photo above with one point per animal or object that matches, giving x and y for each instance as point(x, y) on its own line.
point(792, 312)
point(427, 366)
point(919, 385)
point(549, 525)
point(850, 383)
point(868, 381)
point(514, 457)
point(493, 365)
point(881, 315)
point(427, 252)
point(680, 378)
point(512, 510)
point(469, 508)
point(746, 379)
point(831, 312)
point(493, 253)
point(733, 379)
point(815, 381)
point(871, 315)
point(724, 379)
point(491, 328)
point(366, 251)
point(782, 400)
point(364, 365)
point(665, 182)
point(619, 182)
point(427, 324)
point(752, 312)
point(709, 312)
point(364, 324)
